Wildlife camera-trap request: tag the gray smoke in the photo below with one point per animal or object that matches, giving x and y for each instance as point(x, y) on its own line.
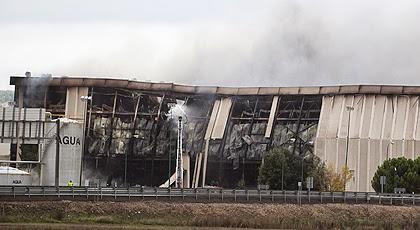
point(294, 42)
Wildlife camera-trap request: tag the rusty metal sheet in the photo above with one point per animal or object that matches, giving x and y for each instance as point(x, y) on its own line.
point(248, 91)
point(184, 88)
point(271, 117)
point(349, 89)
point(227, 90)
point(371, 89)
point(329, 90)
point(391, 89)
point(309, 90)
point(73, 82)
point(289, 90)
point(206, 89)
point(222, 118)
point(268, 91)
point(116, 83)
point(411, 90)
point(139, 85)
point(162, 86)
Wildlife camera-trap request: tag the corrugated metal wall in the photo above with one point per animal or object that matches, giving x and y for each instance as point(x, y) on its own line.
point(380, 127)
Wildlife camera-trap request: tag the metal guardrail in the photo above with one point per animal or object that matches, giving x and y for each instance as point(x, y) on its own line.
point(203, 195)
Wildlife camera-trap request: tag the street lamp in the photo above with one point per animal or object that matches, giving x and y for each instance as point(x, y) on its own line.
point(387, 148)
point(84, 99)
point(349, 109)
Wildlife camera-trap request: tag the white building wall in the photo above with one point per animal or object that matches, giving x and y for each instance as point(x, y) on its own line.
point(70, 155)
point(375, 123)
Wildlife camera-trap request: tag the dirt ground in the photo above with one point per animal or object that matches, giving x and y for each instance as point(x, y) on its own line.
point(153, 215)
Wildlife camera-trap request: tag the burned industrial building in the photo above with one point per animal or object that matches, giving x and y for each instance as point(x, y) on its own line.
point(130, 127)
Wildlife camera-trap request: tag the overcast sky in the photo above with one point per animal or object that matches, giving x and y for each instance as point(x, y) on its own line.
point(214, 42)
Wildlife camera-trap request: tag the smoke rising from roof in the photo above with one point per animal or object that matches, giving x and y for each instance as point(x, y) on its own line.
point(288, 43)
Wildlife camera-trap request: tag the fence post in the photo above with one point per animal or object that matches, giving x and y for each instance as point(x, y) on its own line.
point(115, 193)
point(156, 196)
point(195, 191)
point(221, 192)
point(332, 194)
point(272, 196)
point(87, 192)
point(402, 198)
point(345, 199)
point(234, 194)
point(169, 192)
point(58, 191)
point(320, 194)
point(182, 193)
point(208, 193)
point(247, 195)
point(72, 191)
point(355, 194)
point(259, 194)
point(13, 190)
point(29, 192)
point(43, 191)
point(129, 195)
point(284, 196)
point(413, 198)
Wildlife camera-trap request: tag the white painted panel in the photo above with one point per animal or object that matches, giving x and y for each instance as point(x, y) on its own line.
point(411, 118)
point(221, 119)
point(271, 117)
point(409, 149)
point(324, 116)
point(389, 116)
point(331, 148)
point(367, 113)
point(363, 165)
point(397, 149)
point(355, 117)
point(212, 119)
point(345, 117)
point(334, 118)
point(374, 161)
point(341, 147)
point(416, 149)
point(320, 148)
point(400, 117)
point(378, 116)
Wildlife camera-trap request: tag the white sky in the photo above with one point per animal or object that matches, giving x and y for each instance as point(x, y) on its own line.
point(214, 42)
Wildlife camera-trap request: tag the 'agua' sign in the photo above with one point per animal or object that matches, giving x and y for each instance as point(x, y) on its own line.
point(69, 140)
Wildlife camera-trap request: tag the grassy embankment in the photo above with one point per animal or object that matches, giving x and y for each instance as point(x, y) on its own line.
point(152, 213)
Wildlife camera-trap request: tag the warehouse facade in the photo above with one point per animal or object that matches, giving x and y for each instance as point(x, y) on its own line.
point(130, 127)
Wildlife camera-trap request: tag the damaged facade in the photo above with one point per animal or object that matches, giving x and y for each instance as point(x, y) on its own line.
point(131, 127)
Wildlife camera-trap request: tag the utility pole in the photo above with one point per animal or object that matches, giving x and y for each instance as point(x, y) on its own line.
point(179, 168)
point(349, 109)
point(57, 153)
